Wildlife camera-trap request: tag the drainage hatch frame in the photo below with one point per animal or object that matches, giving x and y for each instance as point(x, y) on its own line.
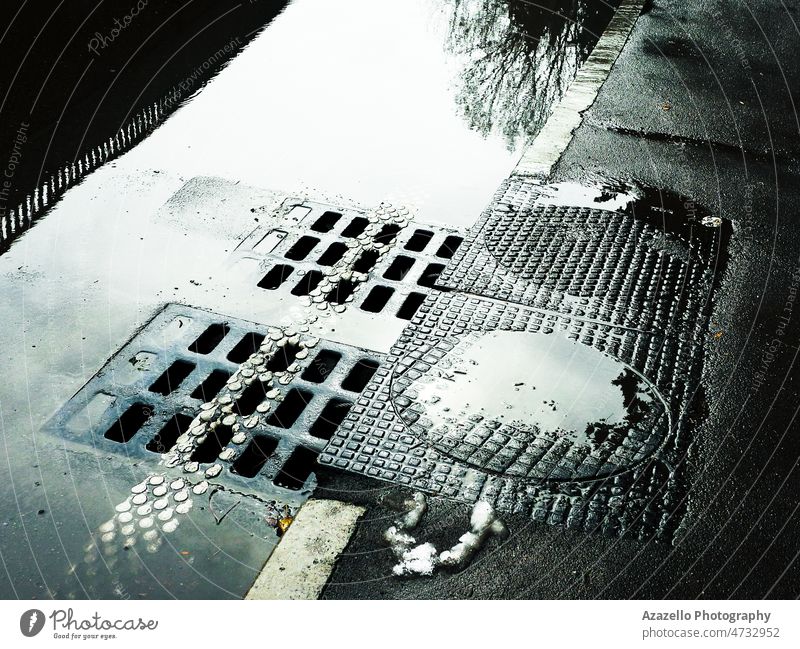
point(146, 396)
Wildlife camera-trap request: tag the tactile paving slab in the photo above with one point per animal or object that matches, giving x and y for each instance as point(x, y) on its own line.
point(143, 402)
point(646, 267)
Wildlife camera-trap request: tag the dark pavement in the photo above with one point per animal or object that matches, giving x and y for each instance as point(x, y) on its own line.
point(701, 102)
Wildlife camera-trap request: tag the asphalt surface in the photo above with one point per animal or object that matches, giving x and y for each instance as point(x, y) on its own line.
point(701, 102)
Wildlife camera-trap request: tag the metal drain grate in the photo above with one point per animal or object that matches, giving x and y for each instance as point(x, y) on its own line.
point(614, 291)
point(294, 256)
point(146, 397)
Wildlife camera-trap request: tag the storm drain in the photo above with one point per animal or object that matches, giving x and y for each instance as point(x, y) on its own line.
point(143, 402)
point(549, 364)
point(294, 258)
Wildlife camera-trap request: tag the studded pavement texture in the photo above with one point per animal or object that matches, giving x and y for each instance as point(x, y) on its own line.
point(642, 269)
point(623, 284)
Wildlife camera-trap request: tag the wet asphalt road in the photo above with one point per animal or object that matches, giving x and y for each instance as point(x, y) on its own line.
point(701, 101)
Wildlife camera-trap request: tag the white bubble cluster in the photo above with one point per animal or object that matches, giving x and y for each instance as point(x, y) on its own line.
point(141, 520)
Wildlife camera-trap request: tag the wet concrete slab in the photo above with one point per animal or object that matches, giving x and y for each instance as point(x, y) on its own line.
point(709, 76)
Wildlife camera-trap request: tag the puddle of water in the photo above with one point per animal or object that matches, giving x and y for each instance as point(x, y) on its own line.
point(548, 382)
point(332, 98)
point(660, 206)
point(671, 214)
point(372, 118)
point(533, 405)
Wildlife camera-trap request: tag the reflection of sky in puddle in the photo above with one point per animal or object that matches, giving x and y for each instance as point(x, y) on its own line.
point(595, 196)
point(354, 100)
point(537, 379)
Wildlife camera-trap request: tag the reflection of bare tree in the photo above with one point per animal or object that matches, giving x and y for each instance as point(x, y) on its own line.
point(637, 404)
point(522, 54)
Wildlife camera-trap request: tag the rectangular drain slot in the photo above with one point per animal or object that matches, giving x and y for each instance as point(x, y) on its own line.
point(208, 340)
point(210, 388)
point(399, 268)
point(321, 367)
point(298, 212)
point(359, 375)
point(366, 261)
point(301, 248)
point(255, 456)
point(430, 275)
point(298, 467)
point(129, 423)
point(290, 409)
point(270, 241)
point(410, 305)
point(167, 437)
point(213, 444)
point(419, 240)
point(276, 276)
point(387, 234)
point(378, 297)
point(355, 227)
point(172, 377)
point(282, 358)
point(250, 397)
point(329, 419)
point(308, 283)
point(245, 348)
point(326, 222)
point(344, 289)
point(449, 247)
point(332, 254)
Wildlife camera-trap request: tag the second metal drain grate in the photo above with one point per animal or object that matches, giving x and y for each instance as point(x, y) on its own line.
point(148, 394)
